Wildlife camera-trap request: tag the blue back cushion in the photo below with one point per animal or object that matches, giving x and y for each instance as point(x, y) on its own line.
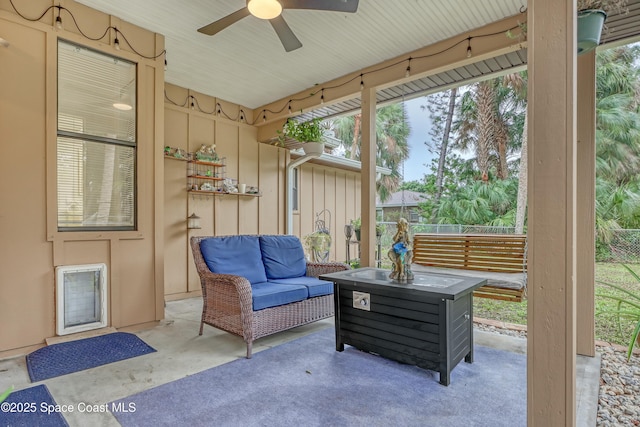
point(239, 255)
point(283, 257)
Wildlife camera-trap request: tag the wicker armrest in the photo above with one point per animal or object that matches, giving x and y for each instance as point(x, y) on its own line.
point(228, 287)
point(315, 269)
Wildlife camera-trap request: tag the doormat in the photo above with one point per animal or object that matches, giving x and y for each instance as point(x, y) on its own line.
point(31, 407)
point(73, 356)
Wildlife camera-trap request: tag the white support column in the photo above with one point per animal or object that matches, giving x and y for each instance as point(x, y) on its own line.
point(368, 176)
point(551, 343)
point(586, 200)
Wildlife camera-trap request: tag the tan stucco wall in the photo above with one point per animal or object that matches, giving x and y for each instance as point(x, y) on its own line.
point(30, 245)
point(252, 163)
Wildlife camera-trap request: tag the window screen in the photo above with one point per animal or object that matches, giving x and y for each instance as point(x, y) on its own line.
point(96, 144)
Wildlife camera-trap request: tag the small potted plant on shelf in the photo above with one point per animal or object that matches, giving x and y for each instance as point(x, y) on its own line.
point(591, 17)
point(310, 134)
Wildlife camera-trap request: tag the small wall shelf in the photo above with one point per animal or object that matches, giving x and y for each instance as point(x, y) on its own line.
point(182, 159)
point(222, 193)
point(209, 178)
point(206, 177)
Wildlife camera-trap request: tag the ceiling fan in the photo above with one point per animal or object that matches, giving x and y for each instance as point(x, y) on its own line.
point(272, 9)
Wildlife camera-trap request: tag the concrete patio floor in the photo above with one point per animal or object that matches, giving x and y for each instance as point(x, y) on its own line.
point(181, 352)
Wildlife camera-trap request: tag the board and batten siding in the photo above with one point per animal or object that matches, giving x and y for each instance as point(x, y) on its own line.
point(31, 247)
point(252, 163)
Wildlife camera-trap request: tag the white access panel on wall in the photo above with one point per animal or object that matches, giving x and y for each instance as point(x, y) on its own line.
point(81, 294)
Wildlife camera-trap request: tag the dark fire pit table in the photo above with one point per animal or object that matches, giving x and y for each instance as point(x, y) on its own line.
point(427, 322)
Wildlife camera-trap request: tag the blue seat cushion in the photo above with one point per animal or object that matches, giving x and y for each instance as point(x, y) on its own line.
point(316, 286)
point(239, 255)
point(270, 294)
point(283, 257)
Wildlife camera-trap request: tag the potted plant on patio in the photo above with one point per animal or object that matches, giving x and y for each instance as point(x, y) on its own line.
point(318, 245)
point(357, 226)
point(591, 17)
point(310, 134)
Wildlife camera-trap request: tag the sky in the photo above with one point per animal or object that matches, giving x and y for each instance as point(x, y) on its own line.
point(416, 166)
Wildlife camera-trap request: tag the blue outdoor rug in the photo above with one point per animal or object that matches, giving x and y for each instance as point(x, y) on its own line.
point(307, 383)
point(30, 407)
point(73, 356)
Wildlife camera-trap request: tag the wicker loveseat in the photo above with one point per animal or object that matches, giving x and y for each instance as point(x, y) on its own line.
point(254, 286)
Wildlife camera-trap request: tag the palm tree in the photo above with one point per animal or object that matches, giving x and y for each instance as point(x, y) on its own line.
point(617, 115)
point(392, 132)
point(617, 141)
point(480, 203)
point(517, 83)
point(486, 124)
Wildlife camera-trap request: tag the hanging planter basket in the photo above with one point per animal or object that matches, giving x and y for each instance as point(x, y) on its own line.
point(313, 148)
point(590, 24)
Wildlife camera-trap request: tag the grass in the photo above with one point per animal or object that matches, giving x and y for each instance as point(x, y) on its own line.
point(607, 328)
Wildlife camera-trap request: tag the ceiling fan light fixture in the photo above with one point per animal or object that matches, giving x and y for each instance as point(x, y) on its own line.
point(265, 9)
point(123, 103)
point(122, 106)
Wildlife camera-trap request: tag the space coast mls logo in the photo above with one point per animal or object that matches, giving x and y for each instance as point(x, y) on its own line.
point(122, 407)
point(82, 407)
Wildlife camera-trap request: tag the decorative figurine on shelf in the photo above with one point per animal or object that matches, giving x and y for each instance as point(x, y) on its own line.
point(401, 254)
point(207, 153)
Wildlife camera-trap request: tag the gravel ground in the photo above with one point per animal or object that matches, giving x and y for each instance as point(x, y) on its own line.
point(619, 396)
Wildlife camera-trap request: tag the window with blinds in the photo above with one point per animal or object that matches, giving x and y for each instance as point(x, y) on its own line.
point(96, 143)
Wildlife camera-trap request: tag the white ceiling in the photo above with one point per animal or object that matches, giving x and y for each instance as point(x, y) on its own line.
point(247, 65)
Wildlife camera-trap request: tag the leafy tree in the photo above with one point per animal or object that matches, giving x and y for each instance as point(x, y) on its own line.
point(441, 130)
point(458, 173)
point(417, 186)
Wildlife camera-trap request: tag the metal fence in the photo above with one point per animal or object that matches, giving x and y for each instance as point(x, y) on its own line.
point(624, 246)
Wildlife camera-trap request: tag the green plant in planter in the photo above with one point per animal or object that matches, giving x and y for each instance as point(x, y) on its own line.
point(608, 6)
point(310, 131)
point(585, 9)
point(591, 17)
point(628, 307)
point(318, 245)
point(357, 227)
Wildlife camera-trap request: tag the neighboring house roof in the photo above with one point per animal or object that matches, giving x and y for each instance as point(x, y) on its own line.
point(402, 198)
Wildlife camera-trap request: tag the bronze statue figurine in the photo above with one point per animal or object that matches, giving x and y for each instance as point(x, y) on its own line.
point(401, 254)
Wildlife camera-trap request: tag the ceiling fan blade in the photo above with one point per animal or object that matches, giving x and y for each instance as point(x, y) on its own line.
point(350, 6)
point(221, 24)
point(288, 39)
